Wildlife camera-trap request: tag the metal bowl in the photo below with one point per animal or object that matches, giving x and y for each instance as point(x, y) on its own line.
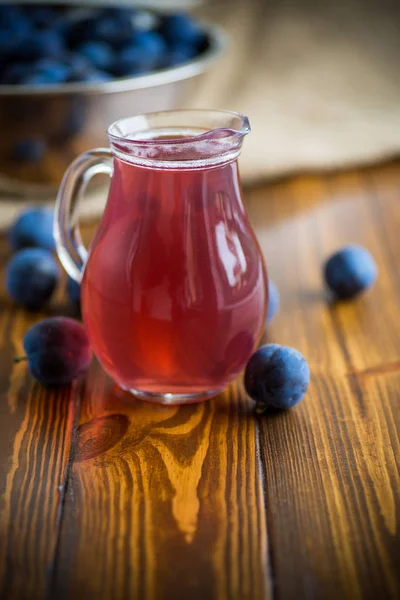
point(44, 128)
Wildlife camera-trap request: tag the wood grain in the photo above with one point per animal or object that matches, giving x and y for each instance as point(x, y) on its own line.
point(106, 498)
point(35, 435)
point(171, 498)
point(331, 465)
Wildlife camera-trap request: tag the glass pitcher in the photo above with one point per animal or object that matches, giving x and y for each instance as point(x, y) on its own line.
point(173, 286)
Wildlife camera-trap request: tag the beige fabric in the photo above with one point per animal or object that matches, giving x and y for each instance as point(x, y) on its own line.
point(320, 82)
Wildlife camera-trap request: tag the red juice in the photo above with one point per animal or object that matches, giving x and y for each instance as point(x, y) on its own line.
point(174, 291)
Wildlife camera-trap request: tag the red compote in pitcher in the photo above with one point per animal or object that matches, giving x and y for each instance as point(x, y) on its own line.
point(174, 289)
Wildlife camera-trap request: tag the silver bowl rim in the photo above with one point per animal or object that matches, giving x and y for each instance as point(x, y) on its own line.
point(218, 42)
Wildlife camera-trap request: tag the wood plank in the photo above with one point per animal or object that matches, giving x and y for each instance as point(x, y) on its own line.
point(384, 187)
point(354, 217)
point(287, 218)
point(35, 432)
point(208, 501)
point(163, 502)
point(333, 492)
point(332, 480)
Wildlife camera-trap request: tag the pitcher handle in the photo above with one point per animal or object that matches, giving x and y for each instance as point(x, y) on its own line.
point(70, 249)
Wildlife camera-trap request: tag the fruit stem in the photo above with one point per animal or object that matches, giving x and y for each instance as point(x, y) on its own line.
point(261, 408)
point(18, 359)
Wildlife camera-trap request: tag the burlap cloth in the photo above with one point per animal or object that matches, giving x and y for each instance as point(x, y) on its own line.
point(320, 82)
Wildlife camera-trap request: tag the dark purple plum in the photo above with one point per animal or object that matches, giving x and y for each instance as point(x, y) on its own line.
point(276, 376)
point(31, 277)
point(57, 350)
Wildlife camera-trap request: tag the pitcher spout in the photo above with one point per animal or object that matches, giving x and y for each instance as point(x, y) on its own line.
point(180, 139)
point(232, 124)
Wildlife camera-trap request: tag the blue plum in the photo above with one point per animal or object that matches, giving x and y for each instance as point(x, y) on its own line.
point(276, 376)
point(42, 17)
point(273, 300)
point(151, 43)
point(115, 29)
point(14, 28)
point(182, 28)
point(47, 71)
point(28, 150)
point(128, 62)
point(99, 54)
point(146, 52)
point(41, 44)
point(77, 65)
point(39, 79)
point(10, 15)
point(57, 350)
point(180, 54)
point(31, 277)
point(33, 228)
point(350, 271)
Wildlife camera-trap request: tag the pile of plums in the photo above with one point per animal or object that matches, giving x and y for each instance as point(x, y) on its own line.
point(42, 45)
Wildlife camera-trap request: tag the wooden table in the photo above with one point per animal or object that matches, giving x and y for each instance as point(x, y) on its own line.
point(106, 498)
